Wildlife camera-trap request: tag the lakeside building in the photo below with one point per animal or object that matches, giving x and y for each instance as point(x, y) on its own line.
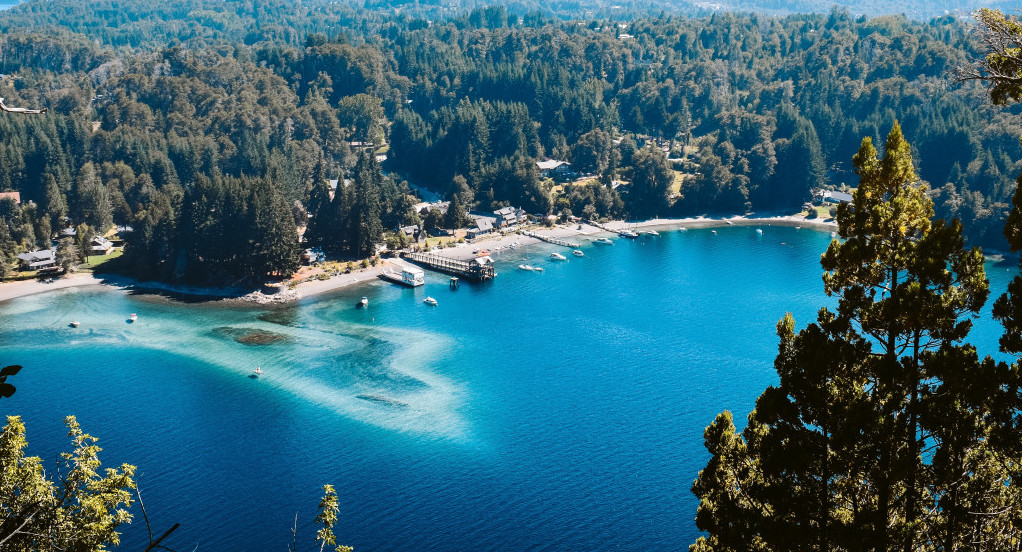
point(41, 259)
point(99, 245)
point(553, 167)
point(831, 196)
point(509, 216)
point(483, 226)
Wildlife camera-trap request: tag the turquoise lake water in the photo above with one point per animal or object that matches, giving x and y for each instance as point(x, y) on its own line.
point(561, 410)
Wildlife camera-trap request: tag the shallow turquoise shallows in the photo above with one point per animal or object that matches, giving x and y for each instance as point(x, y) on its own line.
point(555, 410)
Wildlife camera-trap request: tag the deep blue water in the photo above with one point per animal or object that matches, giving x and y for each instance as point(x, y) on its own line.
point(561, 410)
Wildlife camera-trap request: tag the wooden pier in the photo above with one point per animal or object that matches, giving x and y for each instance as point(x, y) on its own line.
point(548, 239)
point(599, 225)
point(478, 269)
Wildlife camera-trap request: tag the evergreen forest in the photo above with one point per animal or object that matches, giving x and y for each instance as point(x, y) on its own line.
point(212, 131)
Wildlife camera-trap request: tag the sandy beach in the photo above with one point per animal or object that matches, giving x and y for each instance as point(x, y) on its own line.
point(310, 286)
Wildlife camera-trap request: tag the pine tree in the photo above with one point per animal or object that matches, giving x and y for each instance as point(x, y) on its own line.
point(364, 216)
point(833, 457)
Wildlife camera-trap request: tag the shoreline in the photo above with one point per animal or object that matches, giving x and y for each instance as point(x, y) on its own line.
point(313, 286)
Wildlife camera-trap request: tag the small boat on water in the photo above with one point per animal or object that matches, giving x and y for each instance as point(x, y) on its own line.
point(133, 317)
point(557, 257)
point(833, 234)
point(628, 234)
point(363, 303)
point(430, 301)
point(604, 241)
point(578, 253)
point(653, 233)
point(258, 371)
point(714, 231)
point(759, 231)
point(729, 223)
point(683, 229)
point(74, 324)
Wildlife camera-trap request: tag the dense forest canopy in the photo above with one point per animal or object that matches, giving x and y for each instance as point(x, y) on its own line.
point(251, 107)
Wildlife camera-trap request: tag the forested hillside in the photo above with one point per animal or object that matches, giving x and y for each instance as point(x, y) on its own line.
point(247, 109)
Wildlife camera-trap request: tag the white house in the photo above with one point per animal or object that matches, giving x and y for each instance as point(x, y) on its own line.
point(509, 216)
point(553, 167)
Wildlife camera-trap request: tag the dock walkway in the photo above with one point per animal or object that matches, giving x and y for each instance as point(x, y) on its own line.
point(475, 270)
point(548, 239)
point(600, 226)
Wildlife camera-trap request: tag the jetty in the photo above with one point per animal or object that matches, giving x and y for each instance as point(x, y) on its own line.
point(548, 239)
point(478, 269)
point(600, 226)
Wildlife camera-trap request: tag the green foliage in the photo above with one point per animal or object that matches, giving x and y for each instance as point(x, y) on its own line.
point(1002, 66)
point(885, 431)
point(328, 509)
point(81, 512)
point(6, 389)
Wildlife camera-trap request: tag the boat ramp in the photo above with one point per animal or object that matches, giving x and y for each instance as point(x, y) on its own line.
point(548, 239)
point(478, 269)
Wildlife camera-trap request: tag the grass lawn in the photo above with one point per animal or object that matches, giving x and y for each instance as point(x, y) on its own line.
point(95, 261)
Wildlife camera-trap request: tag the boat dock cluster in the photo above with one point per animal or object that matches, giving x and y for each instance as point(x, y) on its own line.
point(478, 269)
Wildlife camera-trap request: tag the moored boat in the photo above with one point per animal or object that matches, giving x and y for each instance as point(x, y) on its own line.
point(628, 234)
point(604, 241)
point(578, 253)
point(363, 303)
point(558, 257)
point(74, 324)
point(430, 301)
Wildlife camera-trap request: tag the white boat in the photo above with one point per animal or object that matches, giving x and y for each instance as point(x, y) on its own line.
point(729, 223)
point(650, 233)
point(526, 267)
point(133, 317)
point(714, 231)
point(683, 229)
point(430, 301)
point(833, 234)
point(258, 371)
point(578, 253)
point(557, 257)
point(628, 234)
point(605, 241)
point(74, 324)
point(759, 231)
point(363, 303)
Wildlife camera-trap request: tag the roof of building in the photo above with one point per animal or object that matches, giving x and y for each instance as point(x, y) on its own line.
point(100, 240)
point(550, 164)
point(484, 224)
point(838, 196)
point(16, 196)
point(37, 256)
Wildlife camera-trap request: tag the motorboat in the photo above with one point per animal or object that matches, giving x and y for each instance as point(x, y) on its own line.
point(557, 257)
point(628, 234)
point(363, 303)
point(430, 301)
point(133, 317)
point(759, 231)
point(604, 241)
point(74, 324)
point(578, 253)
point(258, 371)
point(526, 267)
point(650, 233)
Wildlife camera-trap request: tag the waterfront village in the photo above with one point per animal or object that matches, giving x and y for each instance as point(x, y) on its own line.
point(463, 253)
